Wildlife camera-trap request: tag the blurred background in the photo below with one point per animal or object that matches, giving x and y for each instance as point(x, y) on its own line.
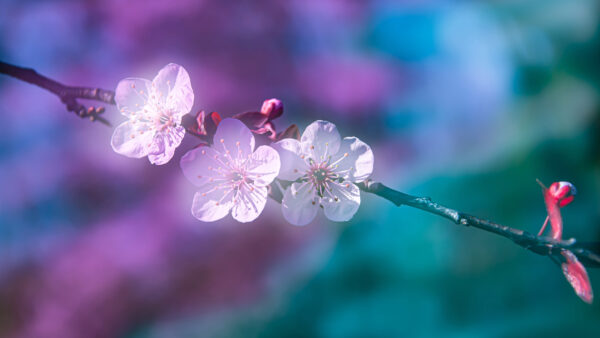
point(467, 102)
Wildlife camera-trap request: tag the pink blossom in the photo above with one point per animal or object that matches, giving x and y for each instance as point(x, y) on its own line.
point(230, 175)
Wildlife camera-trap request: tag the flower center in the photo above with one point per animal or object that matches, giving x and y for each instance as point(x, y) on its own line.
point(320, 175)
point(237, 177)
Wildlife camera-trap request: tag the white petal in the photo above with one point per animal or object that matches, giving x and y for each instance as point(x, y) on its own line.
point(165, 143)
point(347, 203)
point(127, 140)
point(292, 165)
point(249, 203)
point(321, 139)
point(354, 157)
point(233, 138)
point(263, 165)
point(172, 86)
point(210, 206)
point(201, 164)
point(131, 95)
point(299, 204)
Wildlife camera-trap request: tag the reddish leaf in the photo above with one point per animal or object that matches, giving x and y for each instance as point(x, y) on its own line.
point(291, 132)
point(211, 123)
point(577, 276)
point(267, 128)
point(252, 119)
point(553, 209)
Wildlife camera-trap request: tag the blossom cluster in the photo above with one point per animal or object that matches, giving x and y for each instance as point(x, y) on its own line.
point(317, 170)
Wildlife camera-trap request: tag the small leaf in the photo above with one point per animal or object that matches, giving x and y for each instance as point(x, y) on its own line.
point(291, 132)
point(577, 276)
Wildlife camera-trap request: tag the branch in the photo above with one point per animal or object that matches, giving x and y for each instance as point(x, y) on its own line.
point(67, 94)
point(540, 245)
point(544, 246)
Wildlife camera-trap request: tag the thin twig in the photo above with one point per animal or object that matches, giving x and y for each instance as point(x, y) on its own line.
point(67, 94)
point(545, 246)
point(540, 245)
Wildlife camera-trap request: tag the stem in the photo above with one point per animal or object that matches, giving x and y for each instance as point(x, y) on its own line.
point(67, 94)
point(545, 246)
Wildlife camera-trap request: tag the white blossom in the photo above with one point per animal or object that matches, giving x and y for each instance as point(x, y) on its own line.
point(323, 168)
point(154, 110)
point(230, 174)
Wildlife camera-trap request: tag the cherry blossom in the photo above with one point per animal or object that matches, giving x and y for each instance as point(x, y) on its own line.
point(323, 168)
point(154, 110)
point(230, 175)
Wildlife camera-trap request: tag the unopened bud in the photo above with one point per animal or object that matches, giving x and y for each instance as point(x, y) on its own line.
point(564, 192)
point(273, 108)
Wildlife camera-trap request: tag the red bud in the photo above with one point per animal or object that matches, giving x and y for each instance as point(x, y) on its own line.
point(563, 192)
point(272, 108)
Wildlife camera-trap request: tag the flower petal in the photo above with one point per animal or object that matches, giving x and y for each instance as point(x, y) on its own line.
point(212, 205)
point(343, 204)
point(249, 203)
point(299, 204)
point(292, 165)
point(165, 144)
point(263, 165)
point(320, 139)
point(126, 140)
point(234, 138)
point(173, 87)
point(201, 164)
point(356, 157)
point(131, 95)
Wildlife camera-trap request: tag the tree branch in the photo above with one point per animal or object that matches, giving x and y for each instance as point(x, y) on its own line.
point(67, 94)
point(545, 246)
point(540, 245)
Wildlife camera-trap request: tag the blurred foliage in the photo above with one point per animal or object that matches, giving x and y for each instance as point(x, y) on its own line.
point(466, 102)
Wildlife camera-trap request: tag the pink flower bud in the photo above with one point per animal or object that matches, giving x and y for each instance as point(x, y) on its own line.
point(273, 108)
point(563, 192)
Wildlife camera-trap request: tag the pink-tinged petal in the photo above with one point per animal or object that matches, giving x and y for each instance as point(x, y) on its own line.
point(292, 165)
point(553, 209)
point(165, 144)
point(300, 204)
point(127, 140)
point(577, 276)
point(249, 203)
point(173, 88)
point(213, 204)
point(203, 165)
point(263, 165)
point(131, 95)
point(354, 157)
point(233, 138)
point(321, 140)
point(342, 202)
